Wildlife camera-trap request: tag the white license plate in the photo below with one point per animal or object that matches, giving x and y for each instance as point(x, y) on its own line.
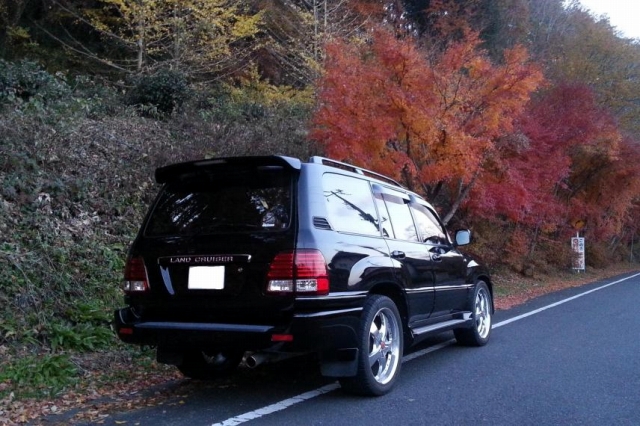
point(206, 277)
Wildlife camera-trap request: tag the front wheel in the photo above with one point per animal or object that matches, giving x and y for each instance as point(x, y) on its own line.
point(379, 348)
point(481, 314)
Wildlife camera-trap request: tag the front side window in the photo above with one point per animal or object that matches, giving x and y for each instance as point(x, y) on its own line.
point(350, 204)
point(253, 202)
point(428, 225)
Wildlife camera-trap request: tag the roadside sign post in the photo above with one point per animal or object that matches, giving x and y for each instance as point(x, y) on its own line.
point(577, 246)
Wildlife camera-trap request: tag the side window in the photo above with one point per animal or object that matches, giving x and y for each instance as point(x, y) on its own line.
point(350, 204)
point(385, 223)
point(428, 225)
point(400, 215)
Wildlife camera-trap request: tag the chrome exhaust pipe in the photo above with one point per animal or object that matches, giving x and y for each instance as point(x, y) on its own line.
point(254, 359)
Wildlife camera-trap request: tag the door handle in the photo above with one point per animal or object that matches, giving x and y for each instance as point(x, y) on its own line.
point(436, 258)
point(397, 254)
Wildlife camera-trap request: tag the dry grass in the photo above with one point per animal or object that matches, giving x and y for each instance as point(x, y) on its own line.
point(513, 289)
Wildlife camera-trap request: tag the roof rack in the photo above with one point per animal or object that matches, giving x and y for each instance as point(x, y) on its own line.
point(351, 168)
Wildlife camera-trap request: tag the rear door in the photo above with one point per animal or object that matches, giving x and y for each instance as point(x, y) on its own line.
point(417, 266)
point(210, 237)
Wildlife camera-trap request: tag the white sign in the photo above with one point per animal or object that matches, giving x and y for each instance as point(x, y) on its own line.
point(577, 246)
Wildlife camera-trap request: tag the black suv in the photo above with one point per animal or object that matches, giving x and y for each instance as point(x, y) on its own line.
point(260, 258)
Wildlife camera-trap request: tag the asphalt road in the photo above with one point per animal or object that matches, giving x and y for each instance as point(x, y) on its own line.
point(568, 358)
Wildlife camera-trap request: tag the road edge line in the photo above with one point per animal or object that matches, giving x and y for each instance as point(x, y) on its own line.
point(560, 302)
point(284, 404)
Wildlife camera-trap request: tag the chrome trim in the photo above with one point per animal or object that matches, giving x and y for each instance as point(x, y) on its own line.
point(454, 287)
point(335, 296)
point(420, 290)
point(327, 313)
point(439, 326)
point(204, 259)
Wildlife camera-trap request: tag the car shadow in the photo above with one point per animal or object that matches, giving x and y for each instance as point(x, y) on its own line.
point(245, 390)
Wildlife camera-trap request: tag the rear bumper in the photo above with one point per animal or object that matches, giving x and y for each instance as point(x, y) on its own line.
point(323, 332)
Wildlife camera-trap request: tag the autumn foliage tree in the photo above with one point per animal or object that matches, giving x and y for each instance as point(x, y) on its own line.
point(542, 165)
point(431, 120)
point(592, 53)
point(292, 35)
point(196, 37)
point(567, 162)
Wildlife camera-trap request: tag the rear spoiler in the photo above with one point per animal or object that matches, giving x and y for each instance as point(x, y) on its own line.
point(182, 170)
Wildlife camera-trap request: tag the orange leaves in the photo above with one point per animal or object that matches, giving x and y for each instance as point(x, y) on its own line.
point(384, 105)
point(450, 18)
point(492, 96)
point(364, 97)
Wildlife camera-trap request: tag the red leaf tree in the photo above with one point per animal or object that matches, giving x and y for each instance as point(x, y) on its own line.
point(567, 161)
point(432, 123)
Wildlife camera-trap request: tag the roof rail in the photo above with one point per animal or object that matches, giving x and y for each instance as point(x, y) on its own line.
point(351, 168)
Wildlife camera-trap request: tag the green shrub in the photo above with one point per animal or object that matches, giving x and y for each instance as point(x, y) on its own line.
point(79, 337)
point(44, 375)
point(96, 98)
point(160, 93)
point(27, 88)
point(27, 84)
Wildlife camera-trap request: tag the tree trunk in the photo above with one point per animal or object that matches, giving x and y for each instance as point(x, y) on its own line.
point(462, 194)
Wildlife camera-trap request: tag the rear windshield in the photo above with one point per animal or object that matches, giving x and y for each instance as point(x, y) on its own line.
point(212, 204)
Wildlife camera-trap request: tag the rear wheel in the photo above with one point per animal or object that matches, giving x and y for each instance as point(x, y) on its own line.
point(380, 348)
point(209, 365)
point(481, 308)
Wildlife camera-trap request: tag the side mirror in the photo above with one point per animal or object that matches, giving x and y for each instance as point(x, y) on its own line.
point(463, 237)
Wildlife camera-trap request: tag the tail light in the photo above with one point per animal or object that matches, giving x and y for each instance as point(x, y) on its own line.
point(135, 276)
point(301, 271)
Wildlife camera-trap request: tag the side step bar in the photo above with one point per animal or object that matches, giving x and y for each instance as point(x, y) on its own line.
point(443, 326)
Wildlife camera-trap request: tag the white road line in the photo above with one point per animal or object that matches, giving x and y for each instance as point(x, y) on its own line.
point(278, 406)
point(553, 305)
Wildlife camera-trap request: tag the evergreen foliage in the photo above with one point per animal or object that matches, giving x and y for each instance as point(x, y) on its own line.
point(163, 91)
point(26, 83)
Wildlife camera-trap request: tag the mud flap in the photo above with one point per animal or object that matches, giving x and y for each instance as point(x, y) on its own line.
point(339, 363)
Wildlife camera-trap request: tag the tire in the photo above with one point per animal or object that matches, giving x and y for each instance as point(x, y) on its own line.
point(209, 365)
point(482, 310)
point(379, 348)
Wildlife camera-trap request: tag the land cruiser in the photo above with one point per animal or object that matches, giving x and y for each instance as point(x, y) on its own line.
point(249, 259)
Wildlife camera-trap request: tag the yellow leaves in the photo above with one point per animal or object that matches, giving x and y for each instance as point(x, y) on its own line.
point(254, 89)
point(16, 33)
point(197, 34)
point(592, 54)
point(246, 26)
